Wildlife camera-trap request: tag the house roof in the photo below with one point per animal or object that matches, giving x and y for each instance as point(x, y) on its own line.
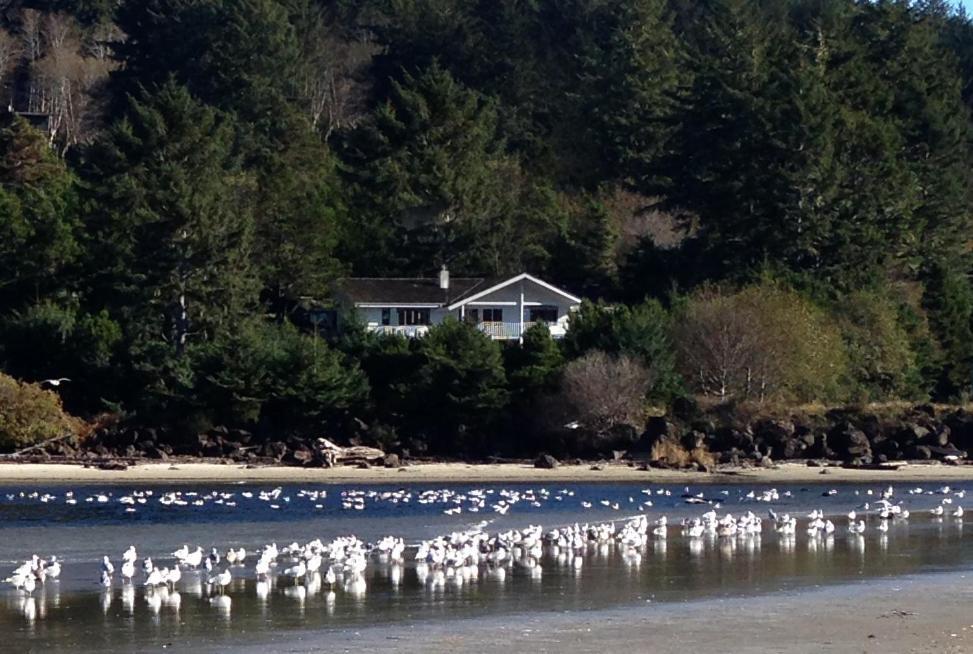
point(489, 286)
point(398, 290)
point(391, 291)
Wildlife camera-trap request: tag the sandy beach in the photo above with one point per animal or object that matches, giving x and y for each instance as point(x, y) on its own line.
point(461, 472)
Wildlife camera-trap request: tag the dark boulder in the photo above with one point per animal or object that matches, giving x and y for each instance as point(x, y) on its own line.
point(274, 450)
point(780, 439)
point(693, 440)
point(960, 424)
point(731, 457)
point(657, 428)
point(912, 433)
point(546, 462)
point(727, 438)
point(849, 443)
point(940, 437)
point(303, 455)
point(921, 452)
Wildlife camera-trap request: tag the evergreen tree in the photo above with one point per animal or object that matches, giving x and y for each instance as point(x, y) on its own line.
point(460, 386)
point(38, 222)
point(431, 184)
point(535, 366)
point(632, 78)
point(169, 228)
point(242, 56)
point(272, 378)
point(948, 301)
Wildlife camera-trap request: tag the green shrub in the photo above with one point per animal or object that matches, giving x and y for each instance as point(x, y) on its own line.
point(882, 363)
point(761, 342)
point(30, 414)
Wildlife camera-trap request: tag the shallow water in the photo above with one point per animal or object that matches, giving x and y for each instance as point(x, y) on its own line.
point(75, 614)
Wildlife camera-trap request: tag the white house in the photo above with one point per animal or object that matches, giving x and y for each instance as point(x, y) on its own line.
point(503, 308)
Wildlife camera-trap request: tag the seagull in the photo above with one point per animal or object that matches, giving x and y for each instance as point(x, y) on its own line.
point(154, 578)
point(174, 576)
point(55, 382)
point(194, 558)
point(53, 569)
point(128, 570)
point(330, 577)
point(262, 569)
point(297, 571)
point(221, 580)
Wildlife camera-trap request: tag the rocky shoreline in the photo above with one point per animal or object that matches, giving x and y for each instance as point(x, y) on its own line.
point(854, 437)
point(849, 436)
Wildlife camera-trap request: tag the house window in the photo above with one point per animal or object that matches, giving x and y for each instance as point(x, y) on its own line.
point(473, 316)
point(546, 314)
point(493, 315)
point(413, 316)
point(386, 316)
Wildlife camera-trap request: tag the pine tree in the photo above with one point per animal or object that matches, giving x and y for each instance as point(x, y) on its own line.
point(632, 79)
point(431, 183)
point(948, 301)
point(170, 228)
point(38, 222)
point(535, 366)
point(460, 385)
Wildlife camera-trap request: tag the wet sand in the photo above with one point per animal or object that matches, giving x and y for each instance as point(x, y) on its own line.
point(461, 472)
point(915, 615)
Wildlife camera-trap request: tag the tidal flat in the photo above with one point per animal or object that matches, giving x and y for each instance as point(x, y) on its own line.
point(903, 581)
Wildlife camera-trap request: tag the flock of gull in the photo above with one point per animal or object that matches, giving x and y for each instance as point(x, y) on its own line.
point(457, 558)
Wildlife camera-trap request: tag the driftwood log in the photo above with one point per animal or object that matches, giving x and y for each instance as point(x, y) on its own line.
point(36, 446)
point(332, 454)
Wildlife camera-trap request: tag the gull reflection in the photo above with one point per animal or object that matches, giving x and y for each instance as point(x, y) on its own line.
point(128, 599)
point(222, 604)
point(154, 601)
point(28, 608)
point(173, 601)
point(105, 600)
point(395, 574)
point(263, 591)
point(660, 546)
point(313, 583)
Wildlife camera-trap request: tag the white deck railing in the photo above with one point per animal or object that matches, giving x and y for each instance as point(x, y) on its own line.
point(498, 331)
point(409, 331)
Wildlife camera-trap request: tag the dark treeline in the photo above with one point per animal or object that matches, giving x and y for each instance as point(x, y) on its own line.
point(764, 200)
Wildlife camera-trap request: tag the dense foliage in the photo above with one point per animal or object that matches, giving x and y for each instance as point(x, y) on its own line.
point(30, 415)
point(761, 199)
